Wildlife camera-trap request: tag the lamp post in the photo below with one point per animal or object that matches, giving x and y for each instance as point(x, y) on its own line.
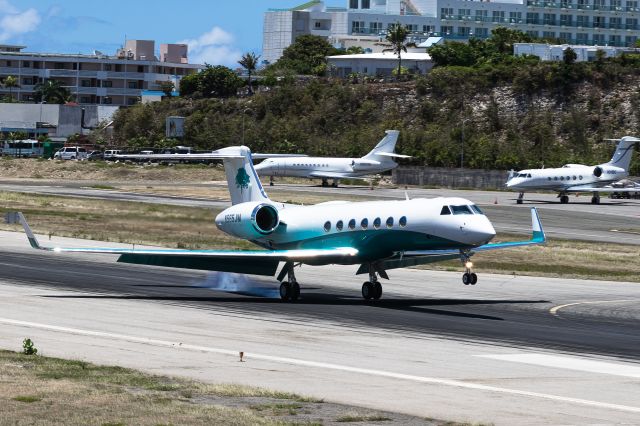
point(244, 112)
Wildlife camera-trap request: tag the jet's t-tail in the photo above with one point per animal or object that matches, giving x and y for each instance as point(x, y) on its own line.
point(624, 152)
point(385, 147)
point(242, 179)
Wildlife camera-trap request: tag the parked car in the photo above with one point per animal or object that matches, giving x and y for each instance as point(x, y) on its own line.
point(71, 153)
point(95, 155)
point(109, 154)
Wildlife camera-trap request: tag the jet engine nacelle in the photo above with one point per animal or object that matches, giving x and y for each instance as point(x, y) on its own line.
point(608, 171)
point(249, 220)
point(363, 165)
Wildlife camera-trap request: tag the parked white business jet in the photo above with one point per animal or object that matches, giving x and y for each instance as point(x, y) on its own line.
point(377, 235)
point(577, 177)
point(379, 160)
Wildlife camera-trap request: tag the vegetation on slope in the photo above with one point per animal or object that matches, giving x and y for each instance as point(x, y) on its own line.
point(509, 112)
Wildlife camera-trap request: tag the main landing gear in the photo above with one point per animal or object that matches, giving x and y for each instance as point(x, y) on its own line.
point(270, 180)
point(469, 277)
point(290, 289)
point(564, 198)
point(325, 183)
point(520, 198)
point(372, 289)
point(596, 198)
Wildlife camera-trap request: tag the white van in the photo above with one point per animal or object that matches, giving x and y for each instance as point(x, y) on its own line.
point(71, 153)
point(110, 154)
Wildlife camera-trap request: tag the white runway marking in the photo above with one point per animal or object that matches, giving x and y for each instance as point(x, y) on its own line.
point(322, 365)
point(555, 309)
point(570, 363)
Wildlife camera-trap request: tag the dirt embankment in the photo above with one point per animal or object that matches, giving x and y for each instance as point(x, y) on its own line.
point(11, 168)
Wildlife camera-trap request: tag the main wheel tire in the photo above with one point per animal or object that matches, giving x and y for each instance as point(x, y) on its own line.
point(518, 201)
point(466, 279)
point(377, 290)
point(367, 290)
point(285, 292)
point(295, 291)
point(474, 278)
point(325, 184)
point(595, 200)
point(564, 199)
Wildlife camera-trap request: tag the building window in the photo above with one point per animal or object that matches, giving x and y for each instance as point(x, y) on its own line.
point(107, 67)
point(532, 33)
point(566, 20)
point(615, 40)
point(598, 39)
point(631, 24)
point(376, 27)
point(464, 13)
point(107, 83)
point(630, 41)
point(481, 15)
point(515, 17)
point(549, 35)
point(532, 18)
point(598, 4)
point(446, 13)
point(464, 31)
point(59, 66)
point(482, 32)
point(9, 63)
point(132, 85)
point(446, 30)
point(27, 81)
point(357, 27)
point(616, 5)
point(498, 16)
point(598, 22)
point(366, 4)
point(26, 64)
point(565, 37)
point(317, 25)
point(632, 6)
point(353, 4)
point(582, 20)
point(107, 100)
point(582, 38)
point(549, 19)
point(85, 83)
point(428, 29)
point(132, 101)
point(140, 68)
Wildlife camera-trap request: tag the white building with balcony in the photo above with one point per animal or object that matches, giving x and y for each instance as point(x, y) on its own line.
point(99, 79)
point(365, 22)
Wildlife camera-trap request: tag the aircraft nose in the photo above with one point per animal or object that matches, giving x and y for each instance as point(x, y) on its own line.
point(484, 231)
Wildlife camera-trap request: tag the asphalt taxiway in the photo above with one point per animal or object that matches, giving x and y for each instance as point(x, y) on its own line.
point(510, 350)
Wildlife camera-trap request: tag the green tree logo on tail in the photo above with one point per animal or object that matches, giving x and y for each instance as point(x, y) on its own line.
point(242, 179)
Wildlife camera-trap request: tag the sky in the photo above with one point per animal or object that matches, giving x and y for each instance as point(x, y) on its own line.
point(217, 31)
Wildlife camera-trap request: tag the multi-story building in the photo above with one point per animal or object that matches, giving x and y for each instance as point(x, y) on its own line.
point(100, 79)
point(364, 22)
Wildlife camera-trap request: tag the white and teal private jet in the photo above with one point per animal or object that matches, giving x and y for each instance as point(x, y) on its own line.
point(376, 235)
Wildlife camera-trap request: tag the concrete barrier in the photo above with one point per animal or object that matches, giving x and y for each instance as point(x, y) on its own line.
point(450, 178)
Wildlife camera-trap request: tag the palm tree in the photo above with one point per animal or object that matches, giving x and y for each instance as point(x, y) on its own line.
point(9, 83)
point(51, 91)
point(249, 62)
point(397, 40)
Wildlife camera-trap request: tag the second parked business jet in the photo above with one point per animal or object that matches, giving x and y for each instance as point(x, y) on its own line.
point(379, 160)
point(577, 177)
point(376, 235)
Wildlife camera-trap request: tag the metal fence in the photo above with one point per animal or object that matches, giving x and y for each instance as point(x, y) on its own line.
point(450, 178)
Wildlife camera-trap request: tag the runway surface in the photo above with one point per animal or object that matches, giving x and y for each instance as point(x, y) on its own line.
point(509, 350)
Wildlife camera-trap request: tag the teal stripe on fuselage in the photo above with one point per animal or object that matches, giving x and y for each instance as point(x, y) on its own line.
point(374, 244)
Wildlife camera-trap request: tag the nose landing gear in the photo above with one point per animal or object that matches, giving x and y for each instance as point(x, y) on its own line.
point(469, 277)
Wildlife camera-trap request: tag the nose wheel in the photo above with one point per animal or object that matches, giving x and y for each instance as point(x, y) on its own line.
point(469, 277)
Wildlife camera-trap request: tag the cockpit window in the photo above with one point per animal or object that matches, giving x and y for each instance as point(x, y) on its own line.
point(476, 209)
point(461, 210)
point(528, 175)
point(445, 210)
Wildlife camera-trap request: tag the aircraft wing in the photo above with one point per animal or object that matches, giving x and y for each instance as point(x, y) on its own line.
point(602, 189)
point(328, 175)
point(258, 262)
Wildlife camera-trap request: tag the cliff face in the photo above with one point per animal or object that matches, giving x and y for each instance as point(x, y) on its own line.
point(501, 125)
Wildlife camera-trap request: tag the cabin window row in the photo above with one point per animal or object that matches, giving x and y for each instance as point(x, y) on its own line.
point(563, 178)
point(364, 224)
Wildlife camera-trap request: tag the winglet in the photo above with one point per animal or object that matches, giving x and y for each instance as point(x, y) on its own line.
point(30, 235)
point(536, 224)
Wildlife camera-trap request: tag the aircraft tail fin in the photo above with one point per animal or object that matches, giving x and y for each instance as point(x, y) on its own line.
point(624, 152)
point(242, 179)
point(384, 148)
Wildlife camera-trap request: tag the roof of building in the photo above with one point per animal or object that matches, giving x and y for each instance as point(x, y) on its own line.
point(390, 56)
point(431, 41)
